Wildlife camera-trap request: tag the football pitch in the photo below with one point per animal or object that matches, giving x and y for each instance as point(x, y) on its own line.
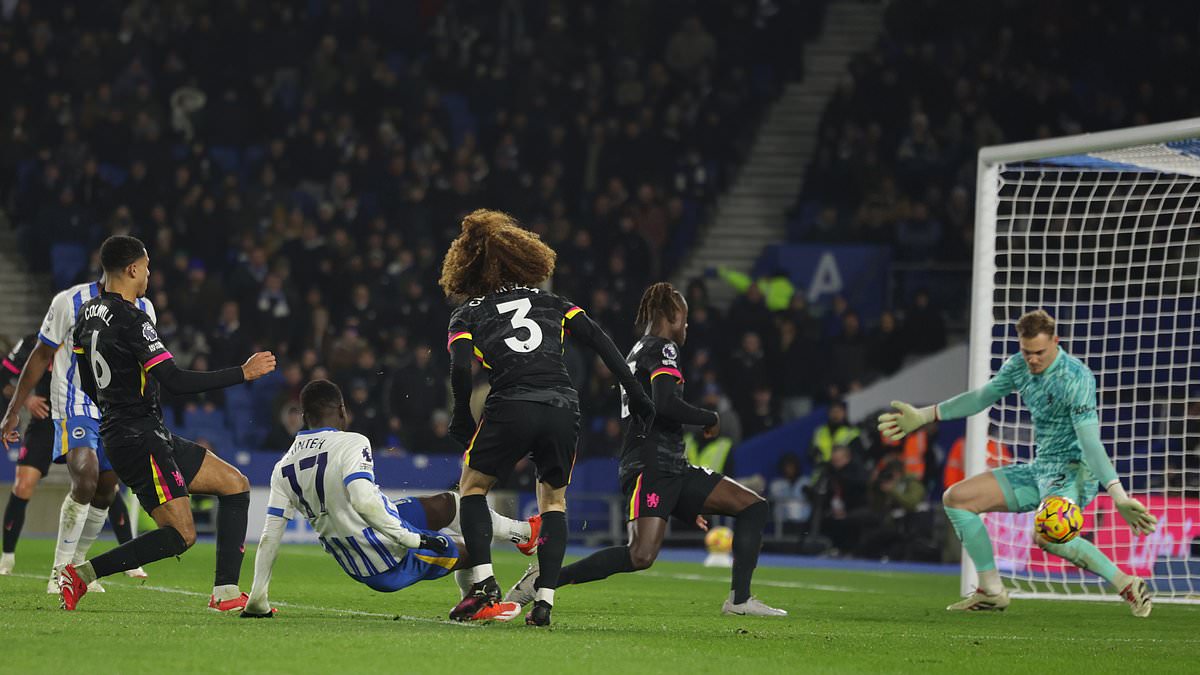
point(664, 620)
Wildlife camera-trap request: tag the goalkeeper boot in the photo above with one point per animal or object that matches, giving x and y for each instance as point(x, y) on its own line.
point(978, 601)
point(751, 607)
point(523, 591)
point(539, 615)
point(482, 594)
point(1137, 594)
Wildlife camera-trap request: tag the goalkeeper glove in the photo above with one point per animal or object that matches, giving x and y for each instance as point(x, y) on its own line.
point(896, 425)
point(437, 543)
point(1140, 520)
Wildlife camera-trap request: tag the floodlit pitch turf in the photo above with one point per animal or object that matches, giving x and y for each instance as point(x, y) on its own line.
point(664, 620)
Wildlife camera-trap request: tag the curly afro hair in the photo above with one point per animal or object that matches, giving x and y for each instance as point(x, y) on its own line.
point(494, 252)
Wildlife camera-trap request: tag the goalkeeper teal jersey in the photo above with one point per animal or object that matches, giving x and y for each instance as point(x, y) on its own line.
point(1058, 399)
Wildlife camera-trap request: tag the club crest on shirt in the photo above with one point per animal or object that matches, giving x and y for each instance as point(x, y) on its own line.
point(670, 352)
point(148, 332)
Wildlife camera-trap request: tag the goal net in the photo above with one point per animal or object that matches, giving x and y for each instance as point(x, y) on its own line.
point(1102, 231)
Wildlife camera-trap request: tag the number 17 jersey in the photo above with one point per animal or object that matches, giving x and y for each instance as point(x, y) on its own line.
point(517, 334)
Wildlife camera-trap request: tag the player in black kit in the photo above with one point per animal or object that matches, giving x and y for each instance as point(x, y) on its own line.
point(516, 331)
point(655, 476)
point(33, 461)
point(121, 363)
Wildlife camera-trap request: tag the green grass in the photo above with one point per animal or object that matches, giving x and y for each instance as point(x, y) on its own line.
point(657, 621)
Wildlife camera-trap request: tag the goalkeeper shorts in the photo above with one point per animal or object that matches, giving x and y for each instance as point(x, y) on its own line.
point(1026, 485)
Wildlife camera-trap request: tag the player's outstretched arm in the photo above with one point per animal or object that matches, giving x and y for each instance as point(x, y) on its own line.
point(593, 336)
point(35, 367)
point(257, 606)
point(1139, 518)
point(368, 501)
point(179, 381)
point(462, 422)
point(908, 418)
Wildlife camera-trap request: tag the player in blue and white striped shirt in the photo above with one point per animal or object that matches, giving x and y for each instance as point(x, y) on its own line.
point(328, 476)
point(77, 430)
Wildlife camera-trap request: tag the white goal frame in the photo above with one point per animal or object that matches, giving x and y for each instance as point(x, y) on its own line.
point(983, 284)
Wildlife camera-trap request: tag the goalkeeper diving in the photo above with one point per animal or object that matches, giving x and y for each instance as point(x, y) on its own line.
point(1070, 461)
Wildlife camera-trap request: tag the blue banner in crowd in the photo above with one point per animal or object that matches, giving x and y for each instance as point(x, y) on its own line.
point(860, 273)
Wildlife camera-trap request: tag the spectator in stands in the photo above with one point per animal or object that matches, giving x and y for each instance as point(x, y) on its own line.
point(835, 432)
point(894, 499)
point(840, 487)
point(924, 326)
point(789, 493)
point(885, 352)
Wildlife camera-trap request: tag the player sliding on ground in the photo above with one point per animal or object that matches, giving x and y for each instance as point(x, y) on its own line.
point(329, 476)
point(1060, 392)
point(656, 478)
point(121, 362)
point(516, 331)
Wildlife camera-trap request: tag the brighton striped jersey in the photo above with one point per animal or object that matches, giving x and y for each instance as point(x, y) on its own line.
point(66, 397)
point(312, 478)
point(1058, 399)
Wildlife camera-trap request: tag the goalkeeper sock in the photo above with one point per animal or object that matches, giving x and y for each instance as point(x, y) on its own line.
point(1084, 555)
point(748, 528)
point(599, 565)
point(971, 531)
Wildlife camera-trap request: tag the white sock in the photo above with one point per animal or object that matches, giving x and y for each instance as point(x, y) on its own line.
point(481, 572)
point(545, 594)
point(91, 529)
point(463, 579)
point(989, 582)
point(456, 524)
point(507, 529)
point(226, 592)
point(71, 519)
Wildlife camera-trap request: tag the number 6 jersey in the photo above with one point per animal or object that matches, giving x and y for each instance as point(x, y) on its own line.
point(518, 337)
point(116, 345)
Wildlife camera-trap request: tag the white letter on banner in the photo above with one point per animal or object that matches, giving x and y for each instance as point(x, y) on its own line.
point(827, 279)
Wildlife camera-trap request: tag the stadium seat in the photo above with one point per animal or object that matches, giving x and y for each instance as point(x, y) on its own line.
point(67, 262)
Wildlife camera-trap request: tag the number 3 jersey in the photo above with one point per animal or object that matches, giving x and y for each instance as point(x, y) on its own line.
point(518, 337)
point(312, 479)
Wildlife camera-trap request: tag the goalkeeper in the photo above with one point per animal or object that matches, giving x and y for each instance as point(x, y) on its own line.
point(1060, 392)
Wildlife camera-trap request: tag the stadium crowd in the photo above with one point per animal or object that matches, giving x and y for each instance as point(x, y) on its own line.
point(305, 208)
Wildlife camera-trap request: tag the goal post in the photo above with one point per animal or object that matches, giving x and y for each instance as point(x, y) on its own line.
point(1103, 231)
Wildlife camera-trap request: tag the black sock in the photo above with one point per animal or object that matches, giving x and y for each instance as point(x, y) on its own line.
point(552, 548)
point(14, 520)
point(150, 547)
point(747, 542)
point(476, 521)
point(599, 565)
point(232, 512)
point(118, 518)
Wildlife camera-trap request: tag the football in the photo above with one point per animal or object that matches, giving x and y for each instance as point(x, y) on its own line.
point(719, 540)
point(1058, 520)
